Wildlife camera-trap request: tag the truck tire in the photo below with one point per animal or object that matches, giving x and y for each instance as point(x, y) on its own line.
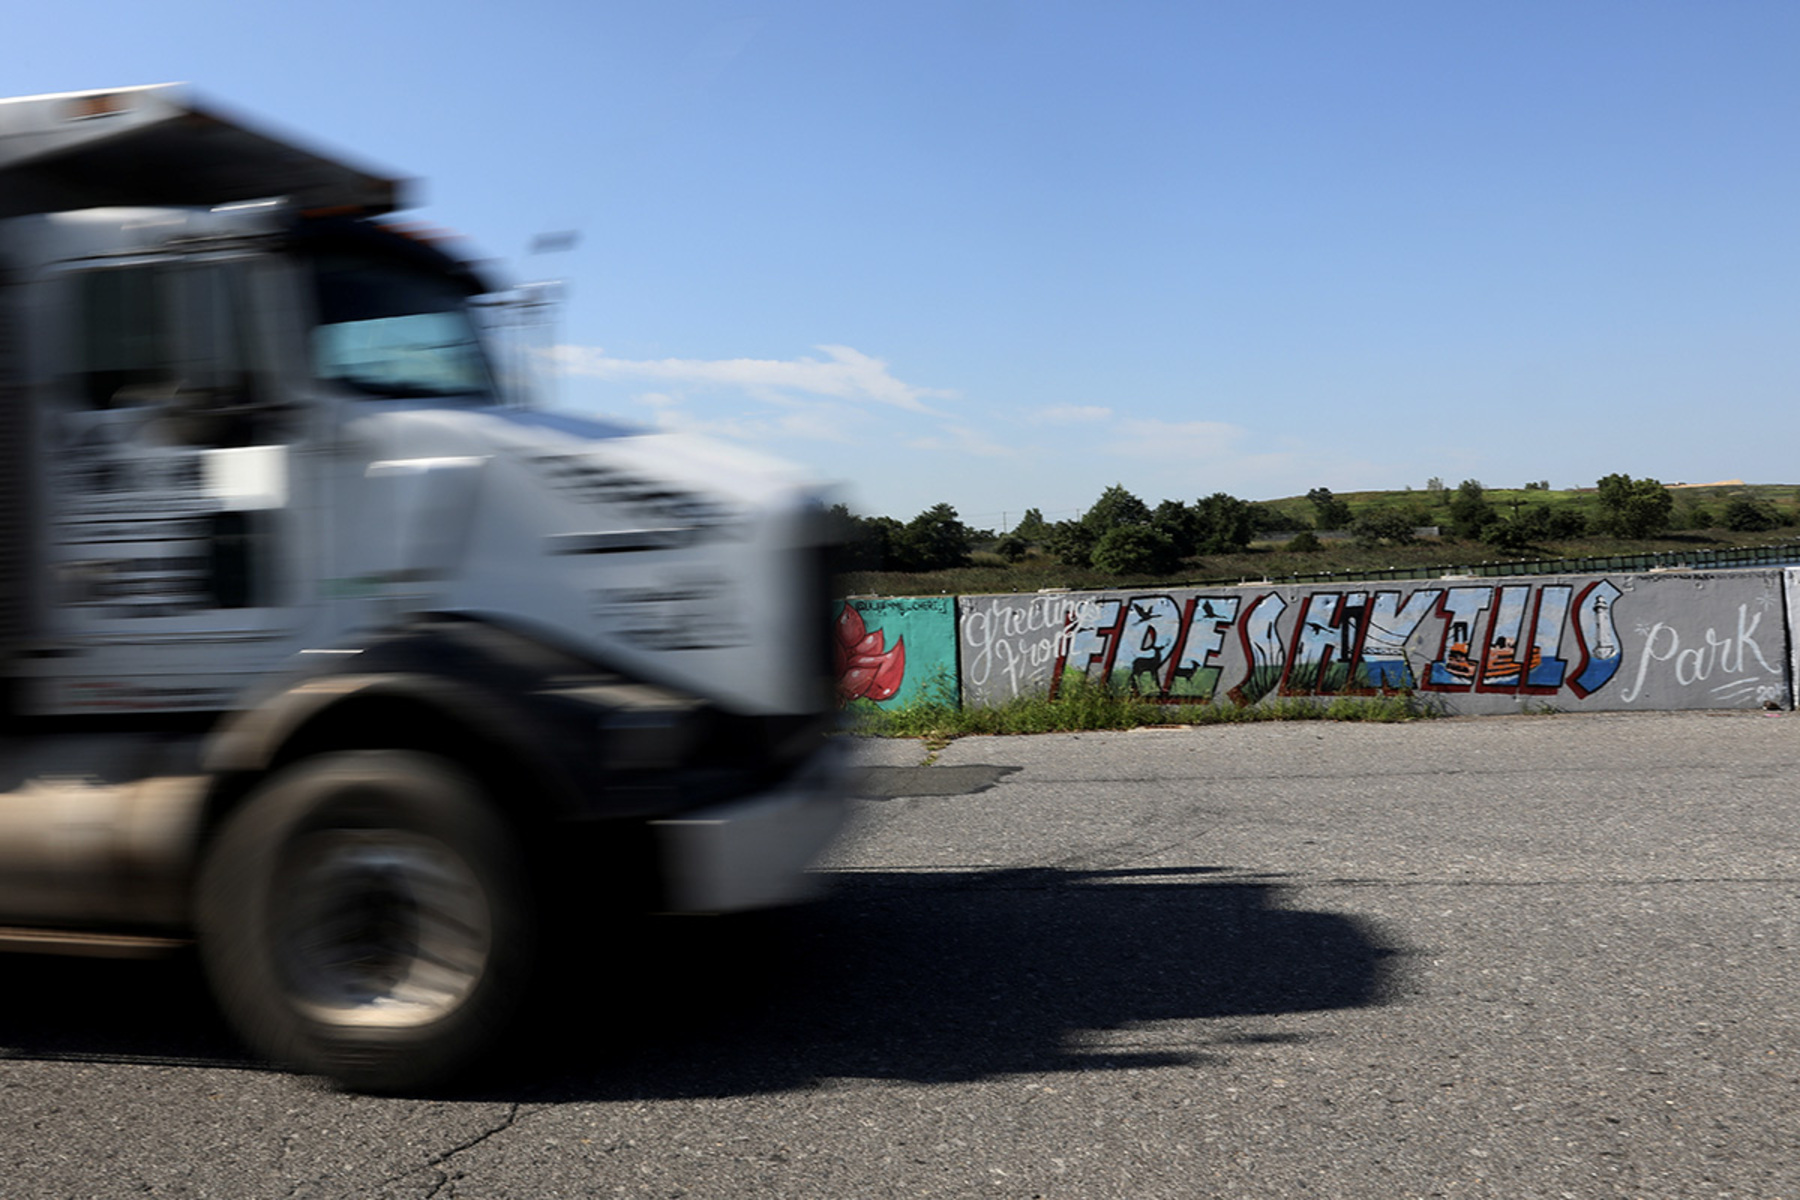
point(366, 916)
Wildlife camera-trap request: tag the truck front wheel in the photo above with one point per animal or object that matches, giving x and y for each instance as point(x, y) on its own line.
point(365, 916)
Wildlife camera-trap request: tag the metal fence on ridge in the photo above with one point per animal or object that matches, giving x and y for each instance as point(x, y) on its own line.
point(1662, 560)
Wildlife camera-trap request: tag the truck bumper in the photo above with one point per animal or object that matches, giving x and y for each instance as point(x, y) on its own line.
point(753, 852)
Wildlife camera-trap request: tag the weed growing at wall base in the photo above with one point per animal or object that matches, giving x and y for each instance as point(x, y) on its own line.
point(1080, 706)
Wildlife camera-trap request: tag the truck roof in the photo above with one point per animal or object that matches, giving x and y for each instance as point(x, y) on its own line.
point(159, 145)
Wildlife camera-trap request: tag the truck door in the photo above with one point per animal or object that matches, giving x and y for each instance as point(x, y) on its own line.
point(170, 486)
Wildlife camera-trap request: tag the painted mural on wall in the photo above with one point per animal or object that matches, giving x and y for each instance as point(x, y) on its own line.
point(1664, 640)
point(895, 650)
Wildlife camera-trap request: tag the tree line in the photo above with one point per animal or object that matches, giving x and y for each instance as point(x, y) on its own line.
point(1627, 508)
point(1120, 534)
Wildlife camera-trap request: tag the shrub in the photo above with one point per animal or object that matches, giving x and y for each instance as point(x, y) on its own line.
point(1511, 536)
point(1566, 523)
point(1304, 542)
point(1072, 542)
point(1135, 550)
point(1634, 508)
point(1387, 526)
point(1470, 512)
point(1744, 515)
point(1331, 513)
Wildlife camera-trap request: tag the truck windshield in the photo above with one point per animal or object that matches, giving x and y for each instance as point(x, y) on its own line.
point(394, 330)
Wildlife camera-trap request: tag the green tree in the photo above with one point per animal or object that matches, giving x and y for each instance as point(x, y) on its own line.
point(1224, 524)
point(1330, 512)
point(1513, 535)
point(935, 540)
point(1470, 512)
point(1745, 515)
point(1634, 508)
point(1536, 523)
point(1388, 526)
point(865, 543)
point(1116, 507)
point(1135, 550)
point(1012, 548)
point(1032, 526)
point(1266, 518)
point(1072, 542)
point(1180, 524)
point(1564, 522)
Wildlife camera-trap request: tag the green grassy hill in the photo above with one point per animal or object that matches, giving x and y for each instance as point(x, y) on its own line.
point(1697, 533)
point(1696, 507)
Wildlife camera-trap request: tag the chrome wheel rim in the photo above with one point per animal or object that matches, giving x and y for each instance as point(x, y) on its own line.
point(380, 928)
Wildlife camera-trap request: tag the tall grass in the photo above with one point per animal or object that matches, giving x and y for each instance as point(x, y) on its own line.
point(1342, 558)
point(1081, 705)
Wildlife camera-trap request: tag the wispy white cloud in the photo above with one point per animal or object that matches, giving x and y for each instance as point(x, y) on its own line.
point(1072, 414)
point(817, 423)
point(843, 374)
point(809, 422)
point(961, 439)
point(1187, 440)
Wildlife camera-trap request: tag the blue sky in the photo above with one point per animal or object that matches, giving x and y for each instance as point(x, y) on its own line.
point(1004, 254)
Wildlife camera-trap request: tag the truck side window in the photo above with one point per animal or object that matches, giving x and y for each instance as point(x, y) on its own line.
point(175, 336)
point(165, 384)
point(124, 354)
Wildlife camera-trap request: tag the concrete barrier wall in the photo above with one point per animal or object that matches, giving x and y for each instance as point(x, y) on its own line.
point(1666, 640)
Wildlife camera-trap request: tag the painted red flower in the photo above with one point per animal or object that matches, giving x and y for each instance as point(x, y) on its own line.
point(865, 667)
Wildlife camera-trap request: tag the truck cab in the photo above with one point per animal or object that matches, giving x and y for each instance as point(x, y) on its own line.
point(325, 650)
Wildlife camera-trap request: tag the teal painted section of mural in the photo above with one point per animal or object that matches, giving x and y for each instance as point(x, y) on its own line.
point(894, 651)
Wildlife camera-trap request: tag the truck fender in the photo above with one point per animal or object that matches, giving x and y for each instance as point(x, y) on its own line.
point(560, 738)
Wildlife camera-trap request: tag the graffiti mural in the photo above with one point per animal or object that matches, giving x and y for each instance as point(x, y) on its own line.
point(865, 668)
point(1664, 640)
point(893, 651)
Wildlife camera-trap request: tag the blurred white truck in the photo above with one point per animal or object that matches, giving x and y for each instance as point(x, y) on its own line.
point(320, 651)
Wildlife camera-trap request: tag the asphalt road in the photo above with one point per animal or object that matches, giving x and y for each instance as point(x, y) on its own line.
point(1505, 957)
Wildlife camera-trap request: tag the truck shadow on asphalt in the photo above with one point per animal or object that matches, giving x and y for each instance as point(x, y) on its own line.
point(102, 1010)
point(913, 976)
point(952, 976)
